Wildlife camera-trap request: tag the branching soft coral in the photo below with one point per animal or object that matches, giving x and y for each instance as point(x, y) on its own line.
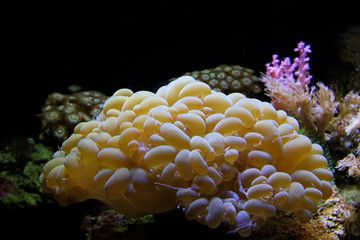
point(344, 126)
point(287, 85)
point(355, 123)
point(325, 107)
point(286, 70)
point(352, 162)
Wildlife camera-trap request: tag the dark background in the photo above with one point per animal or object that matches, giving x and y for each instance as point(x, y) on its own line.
point(107, 45)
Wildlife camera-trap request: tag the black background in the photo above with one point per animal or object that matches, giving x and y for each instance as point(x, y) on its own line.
point(107, 45)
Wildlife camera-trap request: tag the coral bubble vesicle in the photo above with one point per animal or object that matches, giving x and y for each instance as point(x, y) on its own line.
point(222, 158)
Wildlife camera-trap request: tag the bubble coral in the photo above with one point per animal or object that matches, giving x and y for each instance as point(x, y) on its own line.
point(228, 79)
point(62, 112)
point(222, 158)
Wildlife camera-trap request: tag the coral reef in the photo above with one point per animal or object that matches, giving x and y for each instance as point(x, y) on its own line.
point(286, 71)
point(287, 85)
point(21, 162)
point(345, 134)
point(332, 218)
point(223, 158)
point(62, 112)
point(110, 224)
point(354, 124)
point(329, 223)
point(343, 128)
point(350, 196)
point(335, 219)
point(229, 79)
point(352, 162)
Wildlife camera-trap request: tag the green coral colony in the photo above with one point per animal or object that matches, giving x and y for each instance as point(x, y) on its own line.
point(62, 112)
point(228, 79)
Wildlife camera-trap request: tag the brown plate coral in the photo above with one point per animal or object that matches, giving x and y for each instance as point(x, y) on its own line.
point(221, 158)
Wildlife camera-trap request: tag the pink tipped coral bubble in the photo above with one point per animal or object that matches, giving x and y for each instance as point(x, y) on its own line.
point(222, 158)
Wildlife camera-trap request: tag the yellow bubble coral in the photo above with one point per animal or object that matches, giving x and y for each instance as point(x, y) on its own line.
point(222, 158)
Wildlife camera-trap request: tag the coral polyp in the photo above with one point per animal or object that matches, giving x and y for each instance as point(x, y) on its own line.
point(62, 112)
point(222, 158)
point(229, 78)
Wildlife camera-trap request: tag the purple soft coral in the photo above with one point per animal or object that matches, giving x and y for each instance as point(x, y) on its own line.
point(6, 187)
point(287, 86)
point(284, 72)
point(302, 72)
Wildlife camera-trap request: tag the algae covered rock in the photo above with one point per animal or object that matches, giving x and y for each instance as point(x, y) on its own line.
point(21, 162)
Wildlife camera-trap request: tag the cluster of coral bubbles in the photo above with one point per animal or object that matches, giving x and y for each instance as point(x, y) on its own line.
point(221, 158)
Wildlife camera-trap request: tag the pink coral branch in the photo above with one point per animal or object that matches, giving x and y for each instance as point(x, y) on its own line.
point(287, 86)
point(284, 71)
point(302, 73)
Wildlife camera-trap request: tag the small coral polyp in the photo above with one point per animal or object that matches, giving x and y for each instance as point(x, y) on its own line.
point(222, 158)
point(228, 79)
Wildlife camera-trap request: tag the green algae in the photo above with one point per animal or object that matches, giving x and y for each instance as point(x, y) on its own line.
point(22, 161)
